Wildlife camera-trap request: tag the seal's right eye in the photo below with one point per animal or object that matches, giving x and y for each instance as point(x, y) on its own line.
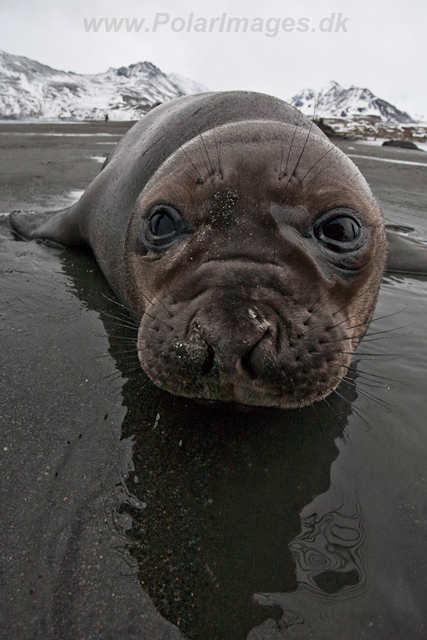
point(339, 230)
point(164, 225)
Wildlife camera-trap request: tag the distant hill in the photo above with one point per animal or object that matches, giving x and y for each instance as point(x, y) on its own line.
point(29, 89)
point(333, 101)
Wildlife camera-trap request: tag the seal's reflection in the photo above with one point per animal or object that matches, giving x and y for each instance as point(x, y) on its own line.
point(223, 488)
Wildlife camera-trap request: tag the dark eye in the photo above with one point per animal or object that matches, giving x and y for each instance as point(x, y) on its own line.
point(163, 225)
point(339, 231)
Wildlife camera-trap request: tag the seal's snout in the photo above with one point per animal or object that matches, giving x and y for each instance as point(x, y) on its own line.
point(238, 351)
point(243, 348)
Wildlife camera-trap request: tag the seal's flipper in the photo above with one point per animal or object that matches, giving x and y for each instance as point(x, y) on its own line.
point(405, 255)
point(61, 226)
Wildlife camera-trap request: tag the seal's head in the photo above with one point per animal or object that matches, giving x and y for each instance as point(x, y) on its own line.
point(254, 257)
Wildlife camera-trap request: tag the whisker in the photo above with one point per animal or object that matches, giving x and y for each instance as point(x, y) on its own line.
point(376, 356)
point(317, 162)
point(367, 375)
point(194, 166)
point(379, 384)
point(371, 383)
point(310, 310)
point(366, 394)
point(337, 324)
point(163, 305)
point(368, 322)
point(297, 395)
point(124, 326)
point(157, 320)
point(366, 336)
point(208, 169)
point(118, 353)
point(218, 154)
point(357, 411)
point(281, 160)
point(375, 282)
point(116, 302)
point(128, 360)
point(128, 323)
point(396, 335)
point(304, 146)
point(291, 145)
point(117, 374)
point(338, 418)
point(147, 326)
point(389, 315)
point(212, 171)
point(347, 402)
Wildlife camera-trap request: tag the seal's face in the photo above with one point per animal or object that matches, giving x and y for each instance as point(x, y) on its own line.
point(253, 262)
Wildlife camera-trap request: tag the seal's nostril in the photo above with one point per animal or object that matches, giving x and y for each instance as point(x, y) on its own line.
point(208, 363)
point(246, 363)
point(250, 361)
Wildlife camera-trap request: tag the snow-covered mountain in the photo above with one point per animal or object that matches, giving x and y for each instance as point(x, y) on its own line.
point(29, 89)
point(187, 86)
point(333, 101)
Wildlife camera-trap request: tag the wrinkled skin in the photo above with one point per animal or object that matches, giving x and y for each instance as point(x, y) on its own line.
point(245, 304)
point(261, 313)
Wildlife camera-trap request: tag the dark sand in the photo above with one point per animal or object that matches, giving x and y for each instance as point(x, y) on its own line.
point(108, 485)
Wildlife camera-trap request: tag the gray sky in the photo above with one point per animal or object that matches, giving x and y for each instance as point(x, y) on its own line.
point(383, 48)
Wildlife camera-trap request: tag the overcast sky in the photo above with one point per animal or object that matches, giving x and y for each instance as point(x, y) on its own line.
point(380, 44)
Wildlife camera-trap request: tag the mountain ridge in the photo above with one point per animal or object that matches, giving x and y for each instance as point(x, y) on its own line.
point(32, 90)
point(29, 89)
point(334, 101)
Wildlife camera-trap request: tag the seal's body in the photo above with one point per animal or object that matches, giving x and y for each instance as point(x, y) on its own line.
point(248, 246)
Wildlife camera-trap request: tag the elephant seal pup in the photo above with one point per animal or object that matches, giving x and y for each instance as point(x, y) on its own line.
point(249, 248)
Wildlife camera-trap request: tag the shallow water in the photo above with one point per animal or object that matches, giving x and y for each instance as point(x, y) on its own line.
point(261, 525)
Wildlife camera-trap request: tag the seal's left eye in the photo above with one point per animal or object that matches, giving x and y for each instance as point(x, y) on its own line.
point(163, 226)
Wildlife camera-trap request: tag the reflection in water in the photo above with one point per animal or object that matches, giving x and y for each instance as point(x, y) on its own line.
point(329, 559)
point(328, 551)
point(209, 505)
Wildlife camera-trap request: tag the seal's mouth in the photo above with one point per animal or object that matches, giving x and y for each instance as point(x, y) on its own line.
point(257, 335)
point(253, 363)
